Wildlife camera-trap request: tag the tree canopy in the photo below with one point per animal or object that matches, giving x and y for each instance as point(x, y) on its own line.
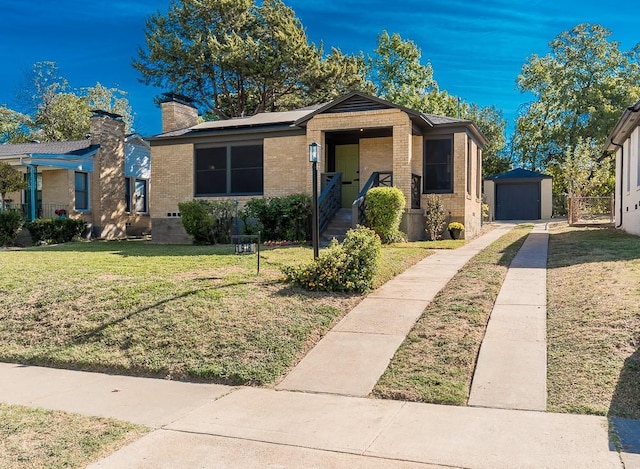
point(11, 180)
point(398, 75)
point(579, 89)
point(238, 58)
point(52, 111)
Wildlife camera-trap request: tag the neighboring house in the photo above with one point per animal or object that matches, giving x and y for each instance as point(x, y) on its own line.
point(364, 141)
point(519, 194)
point(624, 141)
point(103, 179)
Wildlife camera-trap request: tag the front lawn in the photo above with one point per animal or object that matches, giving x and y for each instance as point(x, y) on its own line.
point(184, 312)
point(42, 438)
point(593, 287)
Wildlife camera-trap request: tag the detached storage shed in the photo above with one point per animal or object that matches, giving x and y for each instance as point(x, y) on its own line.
point(519, 194)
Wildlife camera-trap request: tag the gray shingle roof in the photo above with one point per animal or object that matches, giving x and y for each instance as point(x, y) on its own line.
point(51, 148)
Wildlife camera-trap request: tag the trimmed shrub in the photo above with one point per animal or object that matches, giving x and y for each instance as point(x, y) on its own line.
point(10, 223)
point(434, 216)
point(383, 212)
point(347, 267)
point(280, 218)
point(209, 222)
point(55, 231)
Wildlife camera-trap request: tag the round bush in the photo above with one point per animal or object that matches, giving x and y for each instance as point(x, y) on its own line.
point(383, 212)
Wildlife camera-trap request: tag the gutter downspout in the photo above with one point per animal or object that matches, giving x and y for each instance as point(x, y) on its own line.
point(621, 178)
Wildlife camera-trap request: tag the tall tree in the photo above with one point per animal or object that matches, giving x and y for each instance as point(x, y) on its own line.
point(13, 126)
point(398, 74)
point(579, 89)
point(55, 112)
point(10, 181)
point(238, 58)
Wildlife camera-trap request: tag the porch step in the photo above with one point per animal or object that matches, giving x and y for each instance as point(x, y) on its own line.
point(338, 227)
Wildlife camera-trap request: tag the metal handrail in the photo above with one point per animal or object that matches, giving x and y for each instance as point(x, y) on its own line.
point(415, 190)
point(329, 201)
point(377, 179)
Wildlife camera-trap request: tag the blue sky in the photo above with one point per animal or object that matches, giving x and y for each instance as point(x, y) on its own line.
point(476, 49)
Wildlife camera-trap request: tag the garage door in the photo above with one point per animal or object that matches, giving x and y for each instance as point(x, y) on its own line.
point(519, 201)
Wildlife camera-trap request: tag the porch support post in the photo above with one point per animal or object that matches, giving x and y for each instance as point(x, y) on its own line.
point(33, 192)
point(402, 153)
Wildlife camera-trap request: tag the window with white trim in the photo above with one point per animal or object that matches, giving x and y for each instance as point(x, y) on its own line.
point(141, 196)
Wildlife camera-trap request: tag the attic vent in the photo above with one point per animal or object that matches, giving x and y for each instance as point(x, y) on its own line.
point(358, 104)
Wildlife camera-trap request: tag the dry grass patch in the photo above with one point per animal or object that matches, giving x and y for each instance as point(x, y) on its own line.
point(436, 361)
point(40, 438)
point(184, 312)
point(594, 322)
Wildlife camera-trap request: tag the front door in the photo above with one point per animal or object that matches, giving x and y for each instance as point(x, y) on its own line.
point(347, 163)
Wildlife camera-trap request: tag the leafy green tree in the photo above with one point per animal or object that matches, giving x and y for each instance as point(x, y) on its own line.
point(397, 73)
point(55, 112)
point(13, 126)
point(238, 58)
point(579, 89)
point(11, 180)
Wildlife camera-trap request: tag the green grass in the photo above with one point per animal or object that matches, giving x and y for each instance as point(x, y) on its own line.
point(436, 361)
point(40, 438)
point(183, 312)
point(593, 322)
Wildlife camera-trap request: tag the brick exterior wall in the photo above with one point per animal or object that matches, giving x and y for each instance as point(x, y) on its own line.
point(286, 166)
point(287, 169)
point(177, 116)
point(106, 182)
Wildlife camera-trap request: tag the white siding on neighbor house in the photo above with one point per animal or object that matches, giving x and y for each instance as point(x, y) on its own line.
point(630, 181)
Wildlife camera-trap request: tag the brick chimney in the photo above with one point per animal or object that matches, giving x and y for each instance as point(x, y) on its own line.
point(106, 188)
point(178, 112)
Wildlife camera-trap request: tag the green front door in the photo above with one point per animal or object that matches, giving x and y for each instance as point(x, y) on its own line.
point(347, 163)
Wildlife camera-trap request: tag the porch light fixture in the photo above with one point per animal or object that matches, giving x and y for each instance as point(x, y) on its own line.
point(313, 152)
point(315, 234)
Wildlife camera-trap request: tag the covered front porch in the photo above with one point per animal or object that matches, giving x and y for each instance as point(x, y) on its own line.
point(384, 149)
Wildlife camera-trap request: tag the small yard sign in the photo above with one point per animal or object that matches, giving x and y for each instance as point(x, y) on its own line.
point(247, 244)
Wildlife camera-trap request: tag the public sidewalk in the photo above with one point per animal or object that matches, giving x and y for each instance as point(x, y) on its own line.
point(205, 425)
point(350, 359)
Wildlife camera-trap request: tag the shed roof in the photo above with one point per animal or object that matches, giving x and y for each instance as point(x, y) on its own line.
point(519, 173)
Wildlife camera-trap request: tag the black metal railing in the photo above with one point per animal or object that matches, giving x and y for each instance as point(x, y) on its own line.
point(416, 190)
point(330, 199)
point(377, 179)
point(42, 210)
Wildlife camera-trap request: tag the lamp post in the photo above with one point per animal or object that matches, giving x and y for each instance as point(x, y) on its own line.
point(315, 235)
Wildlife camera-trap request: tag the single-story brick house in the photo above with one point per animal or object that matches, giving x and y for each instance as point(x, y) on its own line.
point(624, 141)
point(364, 141)
point(103, 179)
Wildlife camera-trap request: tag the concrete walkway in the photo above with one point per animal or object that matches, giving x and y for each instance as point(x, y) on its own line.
point(511, 371)
point(350, 359)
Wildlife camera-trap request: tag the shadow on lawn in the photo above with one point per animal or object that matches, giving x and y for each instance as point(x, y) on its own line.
point(95, 332)
point(624, 411)
point(590, 245)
